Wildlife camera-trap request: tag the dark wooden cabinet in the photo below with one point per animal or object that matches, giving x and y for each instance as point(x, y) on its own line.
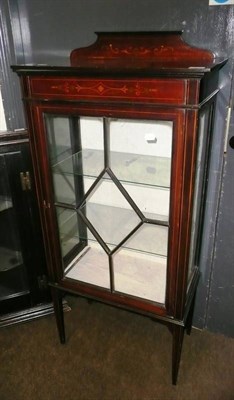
point(120, 143)
point(24, 294)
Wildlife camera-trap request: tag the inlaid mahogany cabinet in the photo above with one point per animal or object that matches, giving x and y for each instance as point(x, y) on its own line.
point(120, 143)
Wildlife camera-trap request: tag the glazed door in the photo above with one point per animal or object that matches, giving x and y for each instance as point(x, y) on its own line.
point(111, 200)
point(14, 285)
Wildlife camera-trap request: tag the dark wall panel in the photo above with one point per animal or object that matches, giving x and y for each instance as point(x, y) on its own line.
point(52, 28)
point(221, 299)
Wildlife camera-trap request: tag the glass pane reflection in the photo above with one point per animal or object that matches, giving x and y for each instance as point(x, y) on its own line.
point(13, 278)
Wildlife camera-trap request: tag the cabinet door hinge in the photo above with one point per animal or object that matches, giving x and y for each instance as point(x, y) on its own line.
point(42, 282)
point(25, 181)
point(46, 204)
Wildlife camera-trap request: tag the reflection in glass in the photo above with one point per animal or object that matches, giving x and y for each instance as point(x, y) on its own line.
point(13, 278)
point(201, 164)
point(68, 229)
point(75, 146)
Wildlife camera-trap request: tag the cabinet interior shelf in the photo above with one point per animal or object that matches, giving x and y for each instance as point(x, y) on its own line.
point(128, 167)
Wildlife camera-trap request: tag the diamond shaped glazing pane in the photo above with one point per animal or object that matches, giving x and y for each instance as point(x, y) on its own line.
point(109, 212)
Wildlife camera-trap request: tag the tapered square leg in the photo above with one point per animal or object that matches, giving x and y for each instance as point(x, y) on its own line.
point(58, 310)
point(190, 317)
point(178, 336)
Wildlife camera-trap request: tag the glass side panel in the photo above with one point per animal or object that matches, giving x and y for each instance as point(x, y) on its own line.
point(86, 162)
point(201, 165)
point(75, 146)
point(13, 276)
point(144, 158)
point(86, 158)
point(58, 137)
point(59, 143)
point(68, 229)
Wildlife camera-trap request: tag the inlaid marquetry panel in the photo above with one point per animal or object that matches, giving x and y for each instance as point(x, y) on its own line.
point(154, 90)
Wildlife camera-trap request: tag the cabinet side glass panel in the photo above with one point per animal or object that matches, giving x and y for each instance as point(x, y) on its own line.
point(75, 147)
point(68, 229)
point(199, 187)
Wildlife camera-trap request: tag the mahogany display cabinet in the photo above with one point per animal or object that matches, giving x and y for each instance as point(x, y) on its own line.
point(120, 144)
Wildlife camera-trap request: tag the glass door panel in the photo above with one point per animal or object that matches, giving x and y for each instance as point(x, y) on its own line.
point(140, 264)
point(91, 265)
point(109, 212)
point(140, 274)
point(141, 151)
point(111, 183)
point(140, 157)
point(152, 201)
point(149, 238)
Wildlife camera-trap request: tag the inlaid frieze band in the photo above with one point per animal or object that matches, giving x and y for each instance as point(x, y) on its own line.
point(156, 90)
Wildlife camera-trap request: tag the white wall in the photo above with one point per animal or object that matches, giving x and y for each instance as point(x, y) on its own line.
point(2, 115)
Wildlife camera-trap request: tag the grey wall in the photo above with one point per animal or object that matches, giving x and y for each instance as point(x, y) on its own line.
point(220, 304)
point(50, 29)
point(46, 31)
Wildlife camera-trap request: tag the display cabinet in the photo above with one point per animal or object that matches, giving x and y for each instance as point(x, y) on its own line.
point(120, 143)
point(24, 293)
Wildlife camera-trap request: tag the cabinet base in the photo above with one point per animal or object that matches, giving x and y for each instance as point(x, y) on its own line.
point(176, 327)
